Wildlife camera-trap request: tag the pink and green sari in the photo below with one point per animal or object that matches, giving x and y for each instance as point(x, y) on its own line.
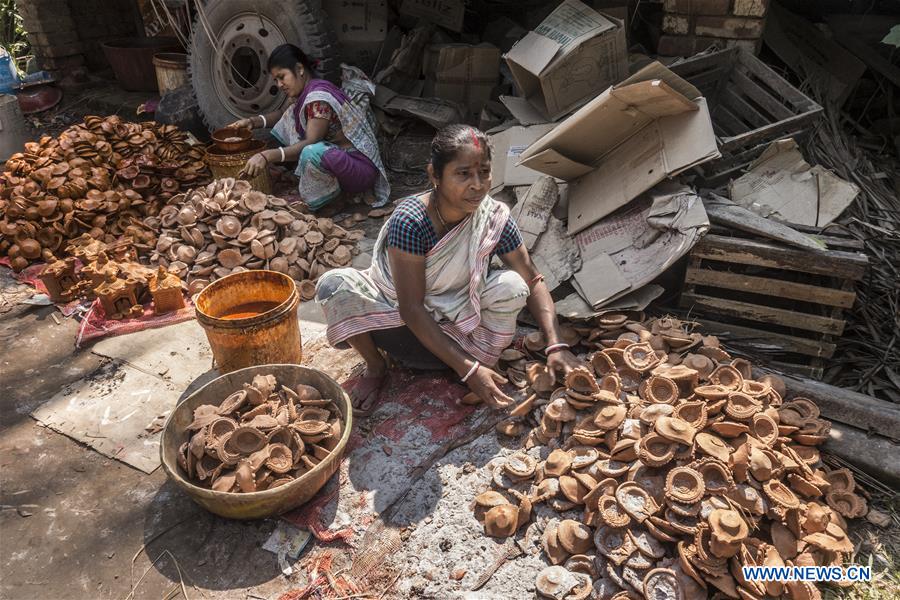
point(325, 169)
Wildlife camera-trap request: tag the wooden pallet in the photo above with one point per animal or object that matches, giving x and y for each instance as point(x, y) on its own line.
point(750, 104)
point(782, 304)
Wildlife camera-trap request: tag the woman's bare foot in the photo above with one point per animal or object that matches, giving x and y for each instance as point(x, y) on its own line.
point(366, 391)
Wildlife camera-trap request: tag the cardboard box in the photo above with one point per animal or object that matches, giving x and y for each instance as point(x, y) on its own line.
point(462, 73)
point(361, 27)
point(446, 13)
point(625, 141)
point(508, 146)
point(572, 55)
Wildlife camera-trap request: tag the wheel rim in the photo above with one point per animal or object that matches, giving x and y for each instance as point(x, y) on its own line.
point(239, 71)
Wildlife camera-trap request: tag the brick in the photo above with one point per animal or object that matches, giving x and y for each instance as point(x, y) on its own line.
point(750, 8)
point(698, 7)
point(36, 6)
point(50, 19)
point(740, 28)
point(61, 63)
point(51, 27)
point(36, 12)
point(676, 24)
point(683, 45)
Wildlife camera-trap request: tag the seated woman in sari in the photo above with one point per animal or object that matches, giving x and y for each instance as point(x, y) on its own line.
point(332, 138)
point(430, 276)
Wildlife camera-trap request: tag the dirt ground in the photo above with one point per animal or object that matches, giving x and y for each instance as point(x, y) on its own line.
point(72, 520)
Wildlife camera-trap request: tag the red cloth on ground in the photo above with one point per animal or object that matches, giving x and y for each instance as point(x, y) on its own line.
point(94, 324)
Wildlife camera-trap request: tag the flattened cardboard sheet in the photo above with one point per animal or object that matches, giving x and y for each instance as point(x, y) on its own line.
point(665, 147)
point(638, 242)
point(783, 186)
point(532, 213)
point(556, 254)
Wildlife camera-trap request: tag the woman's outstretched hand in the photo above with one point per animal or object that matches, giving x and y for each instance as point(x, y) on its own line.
point(246, 123)
point(485, 383)
point(563, 361)
point(255, 165)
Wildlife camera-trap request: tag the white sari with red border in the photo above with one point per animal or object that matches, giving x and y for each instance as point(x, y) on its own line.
point(473, 305)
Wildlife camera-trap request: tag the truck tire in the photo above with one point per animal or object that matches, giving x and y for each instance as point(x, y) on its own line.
point(234, 83)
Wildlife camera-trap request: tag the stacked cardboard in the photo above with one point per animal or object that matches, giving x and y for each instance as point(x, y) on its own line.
point(626, 140)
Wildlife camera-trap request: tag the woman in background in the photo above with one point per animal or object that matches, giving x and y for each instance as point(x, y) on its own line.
point(333, 139)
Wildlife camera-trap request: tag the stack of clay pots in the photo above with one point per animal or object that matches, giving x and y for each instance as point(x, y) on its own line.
point(260, 437)
point(226, 227)
point(101, 177)
point(662, 468)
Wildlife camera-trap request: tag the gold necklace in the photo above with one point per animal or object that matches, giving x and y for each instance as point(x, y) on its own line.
point(437, 210)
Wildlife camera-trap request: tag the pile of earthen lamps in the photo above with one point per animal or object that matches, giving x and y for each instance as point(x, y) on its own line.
point(662, 467)
point(105, 177)
point(105, 194)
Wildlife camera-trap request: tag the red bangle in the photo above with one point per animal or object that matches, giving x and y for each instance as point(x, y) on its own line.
point(537, 279)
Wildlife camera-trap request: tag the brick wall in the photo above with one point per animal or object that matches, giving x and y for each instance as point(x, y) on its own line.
point(690, 26)
point(65, 35)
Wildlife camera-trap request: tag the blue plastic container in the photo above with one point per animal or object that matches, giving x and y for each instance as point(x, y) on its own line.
point(9, 75)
